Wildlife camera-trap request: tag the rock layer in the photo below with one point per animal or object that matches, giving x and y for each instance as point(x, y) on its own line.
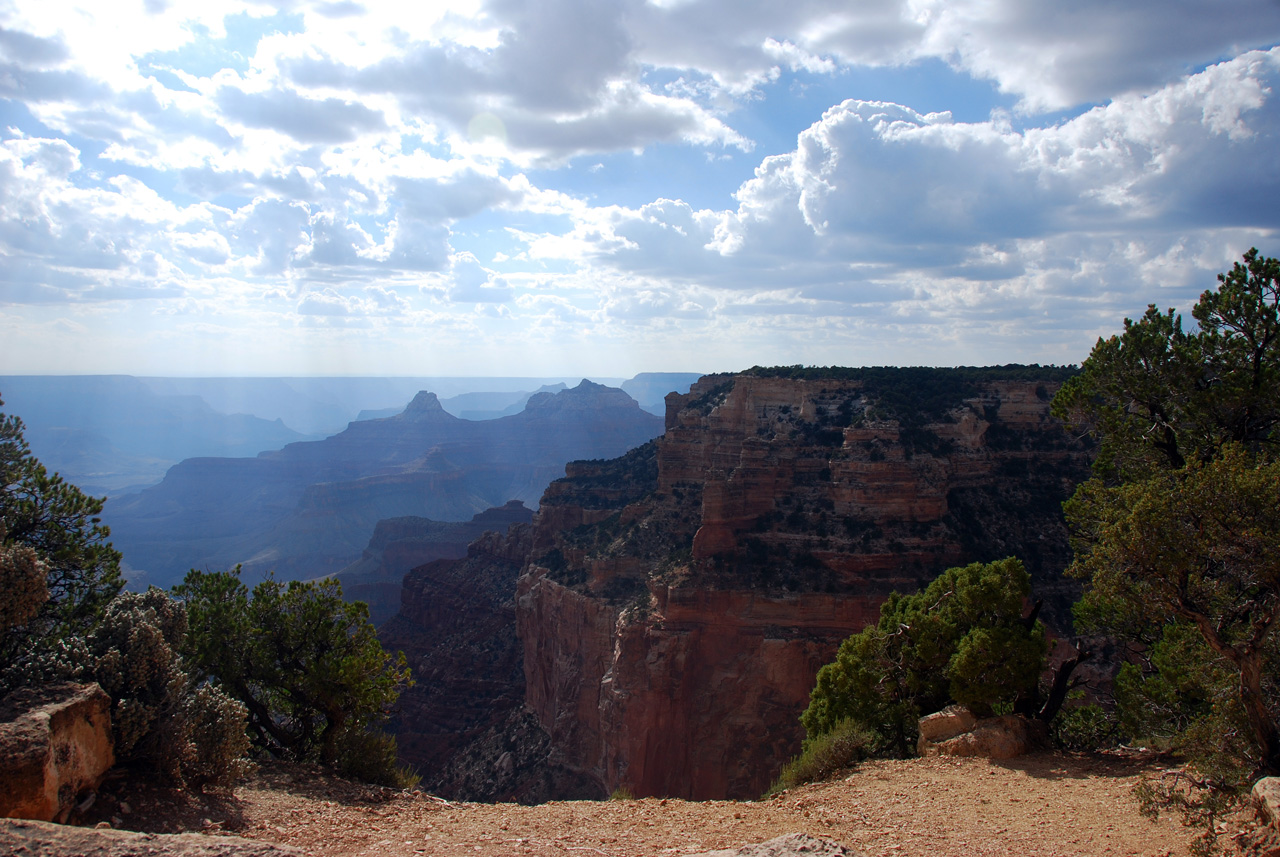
point(308, 510)
point(678, 601)
point(463, 725)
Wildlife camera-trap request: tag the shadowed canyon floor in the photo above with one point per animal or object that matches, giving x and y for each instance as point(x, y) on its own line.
point(1048, 804)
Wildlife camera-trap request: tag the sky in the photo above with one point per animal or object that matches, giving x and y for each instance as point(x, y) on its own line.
point(605, 187)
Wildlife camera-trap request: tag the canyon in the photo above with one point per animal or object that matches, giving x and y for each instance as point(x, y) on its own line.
point(399, 545)
point(308, 510)
point(658, 626)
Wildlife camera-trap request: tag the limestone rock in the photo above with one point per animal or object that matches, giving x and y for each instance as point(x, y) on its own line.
point(1266, 800)
point(947, 723)
point(56, 840)
point(55, 743)
point(790, 845)
point(399, 545)
point(1001, 737)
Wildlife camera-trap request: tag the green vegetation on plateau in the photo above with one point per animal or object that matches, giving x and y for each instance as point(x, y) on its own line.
point(1177, 535)
point(1177, 541)
point(64, 617)
point(963, 639)
point(304, 662)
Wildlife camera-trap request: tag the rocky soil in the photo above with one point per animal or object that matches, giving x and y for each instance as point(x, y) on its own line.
point(1047, 804)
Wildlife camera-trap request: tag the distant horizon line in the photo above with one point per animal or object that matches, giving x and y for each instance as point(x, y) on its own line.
point(560, 376)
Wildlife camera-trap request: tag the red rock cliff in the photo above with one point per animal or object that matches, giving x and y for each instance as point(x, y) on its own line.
point(681, 599)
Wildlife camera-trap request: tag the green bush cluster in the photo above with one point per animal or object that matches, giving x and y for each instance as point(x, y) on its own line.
point(190, 732)
point(305, 663)
point(64, 617)
point(1084, 727)
point(962, 639)
point(1175, 535)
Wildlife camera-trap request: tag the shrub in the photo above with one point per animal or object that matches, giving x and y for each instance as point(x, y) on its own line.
point(63, 617)
point(135, 659)
point(370, 755)
point(962, 639)
point(826, 755)
point(219, 745)
point(305, 663)
point(49, 524)
point(22, 580)
point(160, 719)
point(1176, 538)
point(1084, 727)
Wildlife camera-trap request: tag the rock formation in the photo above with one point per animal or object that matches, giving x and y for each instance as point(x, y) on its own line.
point(678, 601)
point(955, 731)
point(55, 744)
point(1265, 797)
point(401, 544)
point(790, 845)
point(308, 509)
point(462, 725)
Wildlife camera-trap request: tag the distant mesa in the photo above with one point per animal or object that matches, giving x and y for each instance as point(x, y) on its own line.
point(308, 509)
point(424, 406)
point(110, 434)
point(400, 544)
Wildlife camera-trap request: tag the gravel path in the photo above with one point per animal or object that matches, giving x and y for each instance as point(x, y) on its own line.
point(1049, 804)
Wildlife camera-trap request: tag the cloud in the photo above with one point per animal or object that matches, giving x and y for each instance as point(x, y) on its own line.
point(341, 155)
point(881, 184)
point(465, 193)
point(307, 120)
point(327, 302)
point(270, 232)
point(32, 50)
point(1050, 55)
point(332, 303)
point(900, 218)
point(471, 282)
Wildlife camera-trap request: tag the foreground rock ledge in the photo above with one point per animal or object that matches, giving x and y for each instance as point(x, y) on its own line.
point(19, 836)
point(55, 744)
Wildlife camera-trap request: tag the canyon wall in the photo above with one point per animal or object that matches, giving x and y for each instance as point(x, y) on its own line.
point(676, 602)
point(463, 725)
point(399, 545)
point(309, 509)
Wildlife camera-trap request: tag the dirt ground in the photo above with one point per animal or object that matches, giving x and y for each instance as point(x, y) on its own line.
point(1049, 804)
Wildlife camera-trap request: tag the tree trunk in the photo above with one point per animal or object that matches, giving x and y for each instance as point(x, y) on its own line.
point(1255, 707)
point(1249, 663)
point(1061, 685)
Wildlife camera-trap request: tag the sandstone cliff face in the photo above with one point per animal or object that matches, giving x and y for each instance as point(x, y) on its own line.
point(679, 601)
point(463, 725)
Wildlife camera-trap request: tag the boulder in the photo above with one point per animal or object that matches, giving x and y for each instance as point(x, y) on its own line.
point(1266, 800)
point(57, 840)
point(948, 723)
point(790, 845)
point(1002, 737)
point(55, 744)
